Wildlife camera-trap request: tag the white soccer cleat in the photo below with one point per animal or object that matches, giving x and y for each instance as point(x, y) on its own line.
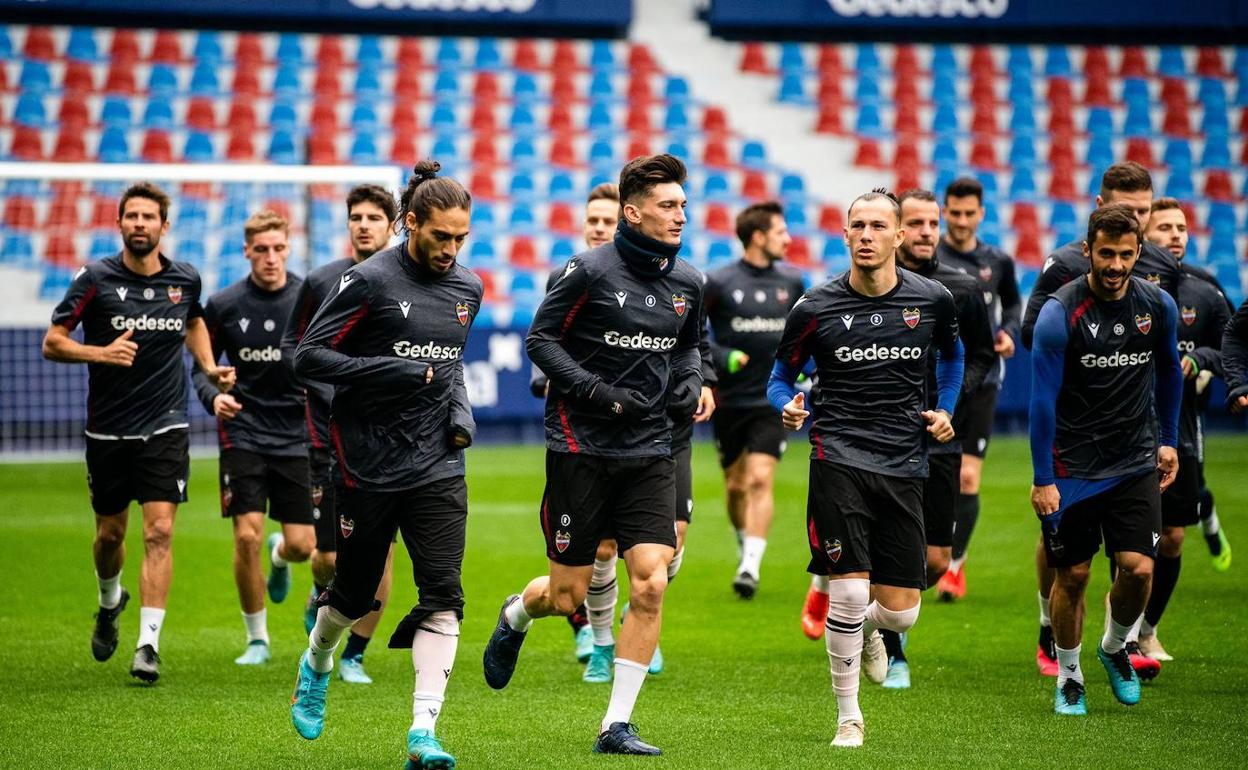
point(875, 658)
point(849, 735)
point(1151, 646)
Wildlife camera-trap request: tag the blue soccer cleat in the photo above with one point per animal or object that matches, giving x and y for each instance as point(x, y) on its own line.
point(352, 670)
point(584, 644)
point(256, 654)
point(307, 704)
point(503, 649)
point(309, 612)
point(898, 676)
point(656, 662)
point(601, 664)
point(279, 577)
point(1122, 677)
point(1071, 701)
point(424, 752)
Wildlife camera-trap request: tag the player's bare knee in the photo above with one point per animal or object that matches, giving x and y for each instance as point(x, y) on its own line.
point(646, 593)
point(1171, 545)
point(565, 602)
point(1073, 579)
point(1135, 568)
point(158, 535)
point(248, 539)
point(299, 546)
point(109, 535)
point(606, 551)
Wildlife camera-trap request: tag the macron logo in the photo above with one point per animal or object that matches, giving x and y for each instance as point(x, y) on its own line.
point(243, 323)
point(405, 307)
point(620, 296)
point(848, 320)
point(568, 270)
point(343, 281)
point(121, 292)
point(1094, 328)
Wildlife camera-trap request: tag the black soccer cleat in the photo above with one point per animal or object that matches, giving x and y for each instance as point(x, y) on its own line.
point(104, 638)
point(146, 665)
point(746, 585)
point(621, 738)
point(503, 649)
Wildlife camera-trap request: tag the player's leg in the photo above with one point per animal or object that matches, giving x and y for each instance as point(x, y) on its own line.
point(351, 666)
point(325, 524)
point(912, 517)
point(728, 444)
point(288, 482)
point(1069, 549)
point(1046, 649)
point(1211, 528)
point(760, 471)
point(600, 601)
point(109, 553)
point(249, 579)
point(815, 608)
point(1180, 508)
point(154, 581)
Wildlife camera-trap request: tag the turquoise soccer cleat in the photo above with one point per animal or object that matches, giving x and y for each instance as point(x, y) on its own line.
point(601, 664)
point(1122, 677)
point(352, 670)
point(425, 752)
point(256, 654)
point(584, 644)
point(1071, 700)
point(656, 662)
point(309, 613)
point(307, 704)
point(279, 577)
point(898, 676)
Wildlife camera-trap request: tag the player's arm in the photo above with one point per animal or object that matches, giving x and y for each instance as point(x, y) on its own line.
point(1169, 391)
point(978, 343)
point(216, 403)
point(1011, 299)
point(462, 426)
point(60, 347)
point(795, 349)
point(684, 395)
point(1235, 360)
point(301, 314)
point(1207, 357)
point(555, 318)
point(950, 369)
point(1048, 363)
point(318, 356)
point(1054, 277)
point(706, 401)
point(199, 343)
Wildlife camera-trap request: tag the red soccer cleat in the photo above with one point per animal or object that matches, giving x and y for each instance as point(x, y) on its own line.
point(952, 585)
point(1146, 668)
point(813, 613)
point(1047, 665)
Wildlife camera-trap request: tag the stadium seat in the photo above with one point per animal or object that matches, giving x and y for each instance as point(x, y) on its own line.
point(113, 146)
point(162, 80)
point(286, 80)
point(79, 78)
point(207, 48)
point(368, 53)
point(364, 150)
point(289, 50)
point(867, 60)
point(35, 78)
point(156, 147)
point(166, 48)
point(1179, 185)
point(158, 114)
point(944, 119)
point(81, 45)
point(791, 59)
point(198, 148)
point(70, 146)
point(248, 50)
point(1217, 151)
point(601, 57)
point(715, 187)
point(562, 250)
point(522, 187)
point(1140, 150)
point(869, 124)
point(561, 187)
point(1171, 63)
point(282, 116)
point(29, 111)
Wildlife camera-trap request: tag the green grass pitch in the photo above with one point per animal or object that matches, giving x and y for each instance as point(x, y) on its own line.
point(743, 688)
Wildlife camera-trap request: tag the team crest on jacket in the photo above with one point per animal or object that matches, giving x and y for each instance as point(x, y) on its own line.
point(175, 294)
point(985, 274)
point(833, 550)
point(679, 304)
point(911, 316)
point(318, 494)
point(1144, 322)
point(461, 313)
point(347, 526)
point(562, 540)
point(1154, 278)
point(1189, 315)
point(782, 295)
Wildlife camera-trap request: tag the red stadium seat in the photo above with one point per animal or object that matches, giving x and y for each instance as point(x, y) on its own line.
point(906, 119)
point(1062, 184)
point(322, 149)
point(715, 154)
point(124, 46)
point(27, 143)
point(640, 59)
point(563, 220)
point(984, 119)
point(403, 149)
point(410, 54)
point(754, 186)
point(563, 151)
point(61, 251)
point(908, 177)
point(1028, 252)
point(120, 78)
point(241, 147)
point(639, 90)
point(984, 153)
point(327, 85)
point(560, 120)
point(1095, 63)
point(563, 87)
point(905, 62)
point(485, 88)
point(324, 116)
point(1177, 123)
point(831, 92)
point(1189, 212)
point(829, 63)
point(982, 63)
point(329, 53)
point(1243, 154)
point(714, 120)
point(246, 81)
point(103, 212)
point(73, 115)
point(638, 120)
point(868, 154)
point(798, 254)
point(906, 155)
point(79, 78)
point(167, 48)
point(983, 92)
point(1059, 95)
point(565, 57)
point(482, 185)
point(1096, 92)
point(829, 120)
point(754, 58)
point(831, 219)
point(39, 44)
point(483, 120)
point(489, 292)
point(637, 146)
point(1218, 185)
point(523, 252)
point(242, 114)
point(1174, 93)
point(905, 91)
point(157, 148)
point(407, 83)
point(718, 220)
point(524, 57)
point(19, 213)
point(201, 115)
point(1209, 63)
point(1061, 123)
point(1140, 150)
point(1061, 154)
point(484, 153)
point(403, 120)
point(249, 51)
point(1134, 63)
point(1025, 217)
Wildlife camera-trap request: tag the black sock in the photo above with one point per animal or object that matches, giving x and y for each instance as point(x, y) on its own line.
point(579, 618)
point(1206, 508)
point(965, 518)
point(1046, 642)
point(355, 646)
point(1165, 578)
point(892, 644)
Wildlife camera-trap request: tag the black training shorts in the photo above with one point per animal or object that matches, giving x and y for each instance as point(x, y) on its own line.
point(251, 482)
point(940, 498)
point(1180, 503)
point(684, 482)
point(149, 470)
point(740, 431)
point(860, 521)
point(1127, 517)
point(324, 509)
point(590, 498)
point(981, 408)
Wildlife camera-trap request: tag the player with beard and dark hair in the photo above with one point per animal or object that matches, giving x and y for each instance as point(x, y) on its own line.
point(870, 332)
point(920, 221)
point(371, 214)
point(1129, 184)
point(993, 269)
point(746, 304)
point(391, 342)
point(1105, 399)
point(618, 337)
point(138, 311)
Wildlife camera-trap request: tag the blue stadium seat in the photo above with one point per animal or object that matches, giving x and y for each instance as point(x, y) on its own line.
point(1023, 119)
point(1023, 185)
point(1135, 89)
point(446, 85)
point(524, 88)
point(524, 286)
point(1178, 153)
point(445, 150)
point(104, 244)
point(488, 55)
point(199, 147)
point(1179, 185)
point(1214, 121)
point(601, 154)
point(1212, 93)
point(158, 114)
point(561, 187)
point(1019, 61)
point(443, 118)
point(944, 177)
point(562, 250)
point(1100, 150)
point(753, 155)
point(364, 116)
point(1100, 121)
point(793, 190)
point(715, 188)
point(323, 213)
point(867, 90)
point(162, 80)
point(190, 250)
point(599, 120)
point(36, 78)
point(19, 249)
point(289, 49)
point(448, 54)
point(364, 150)
point(81, 45)
point(1241, 93)
point(282, 116)
point(945, 152)
point(522, 120)
point(522, 187)
point(676, 89)
point(680, 150)
point(1057, 62)
point(943, 60)
point(1221, 217)
point(208, 48)
point(367, 83)
point(114, 147)
point(1095, 172)
point(989, 180)
point(835, 254)
point(1217, 152)
point(869, 123)
point(1239, 66)
point(6, 43)
point(482, 220)
point(1221, 248)
point(945, 119)
point(286, 80)
point(990, 233)
point(523, 154)
point(718, 252)
point(115, 113)
point(369, 54)
point(676, 120)
point(1171, 64)
point(601, 86)
point(601, 57)
point(55, 282)
point(944, 89)
point(30, 112)
point(1139, 121)
point(796, 219)
point(791, 59)
point(522, 220)
point(867, 60)
point(793, 88)
point(1022, 92)
point(204, 80)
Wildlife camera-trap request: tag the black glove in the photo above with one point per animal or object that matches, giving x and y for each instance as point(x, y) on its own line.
point(618, 402)
point(682, 401)
point(458, 437)
point(538, 385)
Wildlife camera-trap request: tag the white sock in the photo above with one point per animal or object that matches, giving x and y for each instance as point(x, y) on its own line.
point(1134, 634)
point(1115, 637)
point(847, 607)
point(277, 560)
point(110, 590)
point(1045, 619)
point(330, 627)
point(955, 565)
point(1210, 526)
point(516, 617)
point(752, 554)
point(257, 624)
point(1147, 629)
point(674, 566)
point(624, 690)
point(150, 621)
point(433, 657)
point(740, 537)
point(878, 616)
point(1068, 665)
point(604, 592)
point(819, 583)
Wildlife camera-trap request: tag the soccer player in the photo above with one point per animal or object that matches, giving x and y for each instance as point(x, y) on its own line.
point(137, 309)
point(870, 332)
point(618, 337)
point(746, 304)
point(1203, 315)
point(260, 426)
point(391, 341)
point(371, 214)
point(1105, 353)
point(1127, 183)
point(1235, 360)
point(993, 269)
point(920, 222)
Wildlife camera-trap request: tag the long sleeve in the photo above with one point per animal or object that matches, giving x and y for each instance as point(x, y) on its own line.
point(301, 315)
point(780, 385)
point(719, 353)
point(975, 331)
point(1050, 280)
point(950, 365)
point(205, 391)
point(461, 418)
point(555, 316)
point(1048, 361)
point(1169, 375)
point(1208, 354)
point(1235, 354)
point(1011, 300)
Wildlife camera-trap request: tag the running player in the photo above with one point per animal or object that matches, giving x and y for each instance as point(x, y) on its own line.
point(746, 304)
point(138, 309)
point(961, 248)
point(1127, 183)
point(1235, 360)
point(260, 426)
point(1203, 315)
point(391, 341)
point(870, 332)
point(371, 214)
point(920, 221)
point(1105, 353)
point(618, 337)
